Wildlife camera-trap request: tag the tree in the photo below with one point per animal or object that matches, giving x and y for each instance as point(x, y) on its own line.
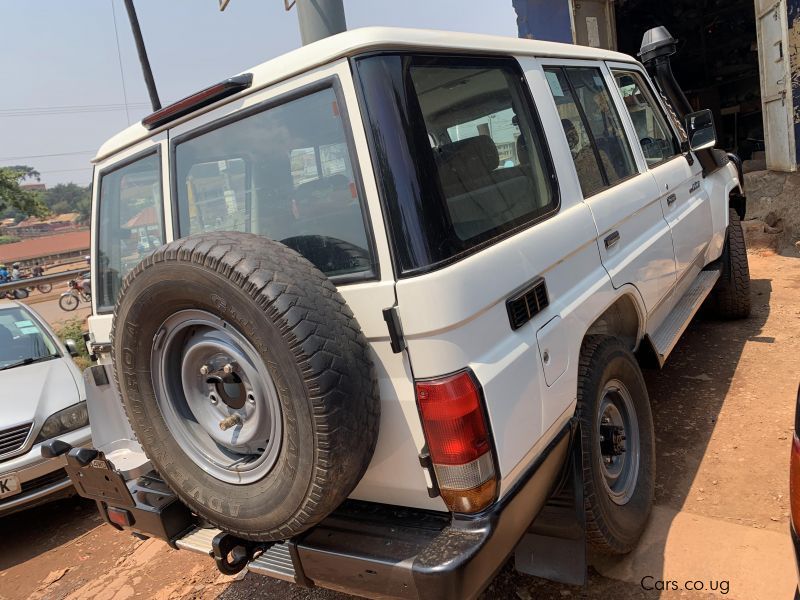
point(15, 198)
point(65, 198)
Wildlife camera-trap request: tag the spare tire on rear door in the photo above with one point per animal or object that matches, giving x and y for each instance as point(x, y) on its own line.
point(247, 380)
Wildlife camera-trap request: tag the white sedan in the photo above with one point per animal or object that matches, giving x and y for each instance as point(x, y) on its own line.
point(42, 396)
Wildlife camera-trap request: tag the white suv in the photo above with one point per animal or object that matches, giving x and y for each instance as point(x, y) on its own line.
point(364, 301)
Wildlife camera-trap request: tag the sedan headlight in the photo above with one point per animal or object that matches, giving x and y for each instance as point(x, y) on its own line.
point(64, 421)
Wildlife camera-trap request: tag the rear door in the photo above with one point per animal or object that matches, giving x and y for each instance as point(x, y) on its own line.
point(684, 201)
point(634, 239)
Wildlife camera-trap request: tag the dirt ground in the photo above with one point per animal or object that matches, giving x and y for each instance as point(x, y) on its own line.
point(723, 410)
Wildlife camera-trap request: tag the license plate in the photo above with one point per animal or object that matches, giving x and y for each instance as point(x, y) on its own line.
point(9, 486)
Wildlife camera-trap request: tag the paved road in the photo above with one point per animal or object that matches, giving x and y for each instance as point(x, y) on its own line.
point(723, 410)
point(53, 313)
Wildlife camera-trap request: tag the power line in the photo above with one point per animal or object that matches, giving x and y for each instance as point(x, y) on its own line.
point(47, 155)
point(119, 56)
point(66, 170)
point(36, 112)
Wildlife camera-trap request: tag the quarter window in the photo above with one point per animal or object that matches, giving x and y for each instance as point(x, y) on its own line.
point(130, 223)
point(285, 173)
point(593, 128)
point(657, 140)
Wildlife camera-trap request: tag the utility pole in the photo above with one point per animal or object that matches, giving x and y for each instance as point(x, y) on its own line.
point(140, 49)
point(318, 19)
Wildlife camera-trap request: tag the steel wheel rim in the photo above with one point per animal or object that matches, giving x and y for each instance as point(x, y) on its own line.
point(617, 431)
point(195, 408)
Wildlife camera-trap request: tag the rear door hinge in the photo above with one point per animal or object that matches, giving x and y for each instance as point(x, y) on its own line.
point(392, 318)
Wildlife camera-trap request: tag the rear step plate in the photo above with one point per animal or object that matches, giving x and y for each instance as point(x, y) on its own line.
point(275, 562)
point(198, 540)
point(669, 332)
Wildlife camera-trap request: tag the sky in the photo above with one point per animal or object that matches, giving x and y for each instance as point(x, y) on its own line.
point(63, 93)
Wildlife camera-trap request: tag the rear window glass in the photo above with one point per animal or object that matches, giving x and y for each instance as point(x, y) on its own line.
point(285, 173)
point(130, 223)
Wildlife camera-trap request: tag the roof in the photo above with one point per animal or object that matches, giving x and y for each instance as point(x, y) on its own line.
point(357, 41)
point(45, 246)
point(143, 218)
point(63, 218)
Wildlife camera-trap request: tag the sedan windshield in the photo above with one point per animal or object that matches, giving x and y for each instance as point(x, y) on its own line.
point(22, 340)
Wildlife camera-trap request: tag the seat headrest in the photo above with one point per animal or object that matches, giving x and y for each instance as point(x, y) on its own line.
point(466, 153)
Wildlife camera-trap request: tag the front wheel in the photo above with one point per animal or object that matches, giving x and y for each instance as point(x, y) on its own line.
point(45, 288)
point(730, 298)
point(618, 444)
point(68, 302)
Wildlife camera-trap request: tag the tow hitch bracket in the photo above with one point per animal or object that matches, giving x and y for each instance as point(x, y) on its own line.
point(233, 554)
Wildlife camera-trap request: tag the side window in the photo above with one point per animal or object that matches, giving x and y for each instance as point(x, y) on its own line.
point(130, 223)
point(487, 149)
point(657, 140)
point(284, 173)
point(593, 128)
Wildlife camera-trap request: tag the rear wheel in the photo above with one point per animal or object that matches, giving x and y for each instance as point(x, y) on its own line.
point(618, 445)
point(247, 381)
point(730, 298)
point(68, 302)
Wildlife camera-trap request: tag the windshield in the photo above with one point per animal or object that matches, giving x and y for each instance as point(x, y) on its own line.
point(22, 340)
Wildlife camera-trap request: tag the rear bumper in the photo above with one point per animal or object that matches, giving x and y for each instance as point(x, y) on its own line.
point(376, 550)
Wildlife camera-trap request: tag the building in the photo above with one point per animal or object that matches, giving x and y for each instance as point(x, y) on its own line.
point(739, 58)
point(47, 248)
point(35, 227)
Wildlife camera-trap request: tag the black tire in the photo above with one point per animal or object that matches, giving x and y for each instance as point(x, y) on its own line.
point(45, 288)
point(309, 341)
point(21, 294)
point(614, 527)
point(68, 302)
point(730, 298)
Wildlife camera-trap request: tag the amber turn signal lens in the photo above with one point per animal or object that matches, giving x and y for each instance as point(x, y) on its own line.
point(470, 501)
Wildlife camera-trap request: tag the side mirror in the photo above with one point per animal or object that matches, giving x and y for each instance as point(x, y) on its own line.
point(71, 347)
point(701, 131)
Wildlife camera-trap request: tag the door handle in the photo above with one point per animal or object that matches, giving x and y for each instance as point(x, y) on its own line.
point(611, 239)
point(671, 199)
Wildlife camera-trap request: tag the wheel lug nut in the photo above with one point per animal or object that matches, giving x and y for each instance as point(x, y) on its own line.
point(204, 370)
point(229, 368)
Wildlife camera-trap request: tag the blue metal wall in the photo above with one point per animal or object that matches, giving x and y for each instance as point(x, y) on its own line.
point(544, 20)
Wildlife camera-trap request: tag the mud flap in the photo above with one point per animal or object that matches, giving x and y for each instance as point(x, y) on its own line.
point(555, 546)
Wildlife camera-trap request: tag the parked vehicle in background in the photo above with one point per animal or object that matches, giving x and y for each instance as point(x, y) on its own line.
point(42, 398)
point(794, 488)
point(408, 282)
point(80, 290)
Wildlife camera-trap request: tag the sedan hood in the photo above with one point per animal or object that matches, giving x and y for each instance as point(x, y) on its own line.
point(36, 391)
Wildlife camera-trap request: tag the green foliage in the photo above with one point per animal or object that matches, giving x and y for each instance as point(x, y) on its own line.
point(67, 198)
point(8, 239)
point(13, 197)
point(73, 330)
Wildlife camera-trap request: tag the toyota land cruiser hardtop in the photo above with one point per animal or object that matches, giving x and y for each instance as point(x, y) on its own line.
point(370, 316)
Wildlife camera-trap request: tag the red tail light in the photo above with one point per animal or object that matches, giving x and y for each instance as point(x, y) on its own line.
point(458, 441)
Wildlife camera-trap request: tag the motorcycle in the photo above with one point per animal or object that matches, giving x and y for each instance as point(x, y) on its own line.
point(79, 291)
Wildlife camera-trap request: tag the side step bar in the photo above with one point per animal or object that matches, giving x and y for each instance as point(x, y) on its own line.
point(275, 561)
point(670, 331)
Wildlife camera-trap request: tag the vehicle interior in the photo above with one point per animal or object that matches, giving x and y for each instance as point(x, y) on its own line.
point(479, 128)
point(284, 173)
